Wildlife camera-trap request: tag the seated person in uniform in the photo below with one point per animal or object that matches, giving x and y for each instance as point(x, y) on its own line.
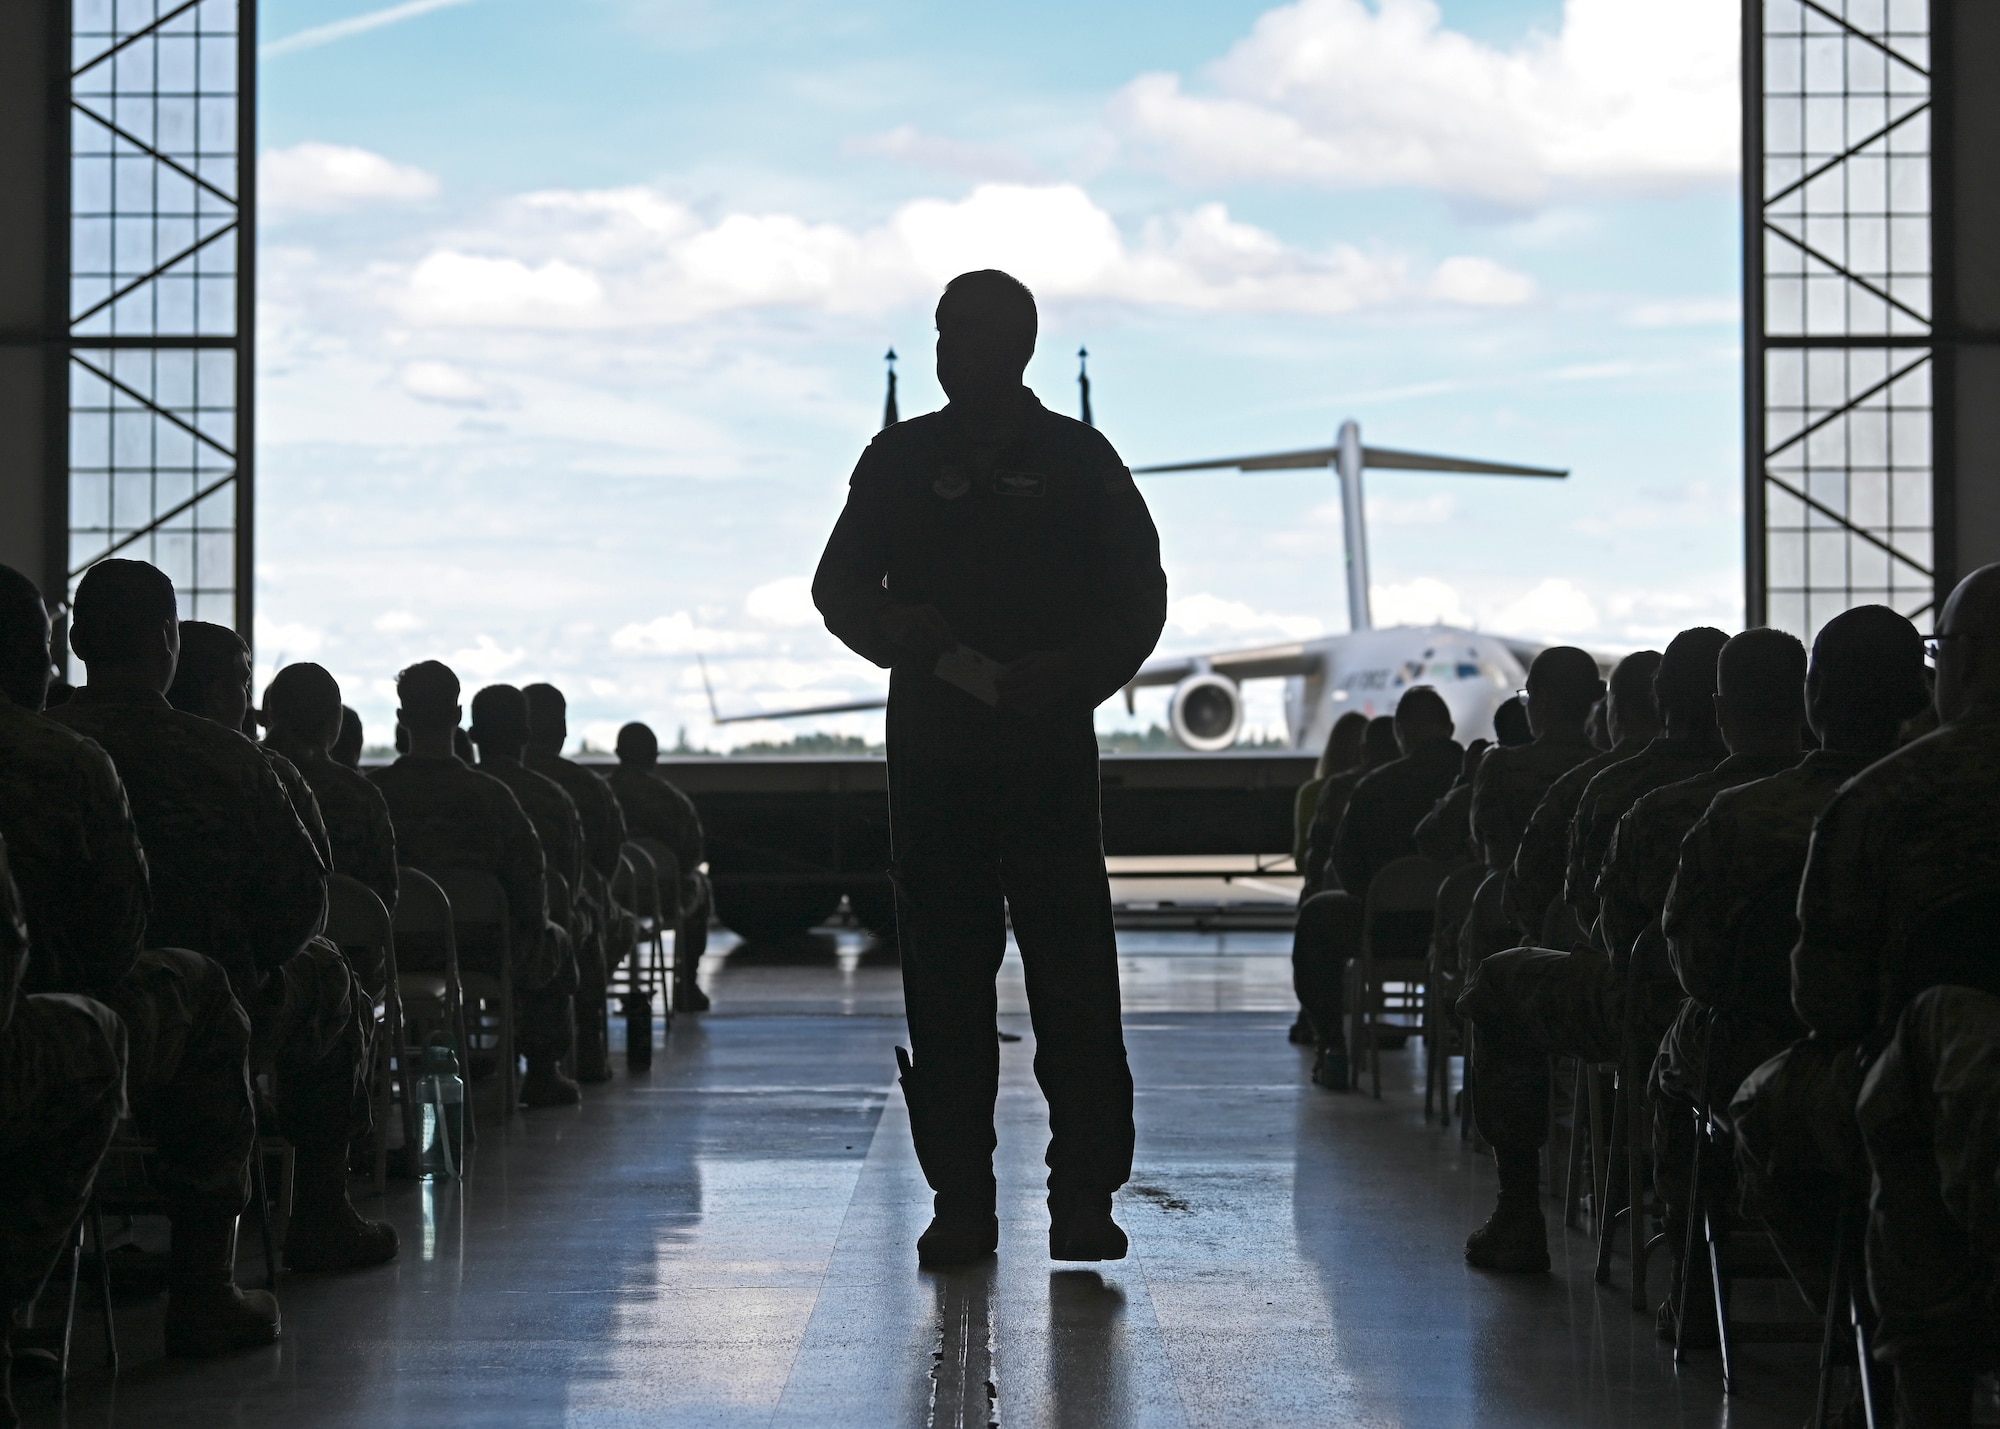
point(500, 732)
point(1511, 781)
point(1378, 747)
point(1343, 750)
point(1532, 890)
point(1729, 921)
point(655, 809)
point(1530, 1004)
point(235, 875)
point(611, 931)
point(346, 746)
point(302, 714)
point(1899, 894)
point(1760, 708)
point(448, 816)
point(62, 1088)
point(1444, 835)
point(1929, 1114)
point(1377, 829)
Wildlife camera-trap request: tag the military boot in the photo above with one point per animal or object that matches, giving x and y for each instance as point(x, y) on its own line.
point(545, 1084)
point(1081, 1228)
point(1513, 1240)
point(326, 1232)
point(593, 1044)
point(1330, 1068)
point(206, 1313)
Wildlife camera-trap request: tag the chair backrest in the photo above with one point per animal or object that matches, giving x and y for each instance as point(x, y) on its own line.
point(641, 891)
point(1402, 903)
point(477, 900)
point(421, 905)
point(356, 920)
point(1454, 895)
point(666, 869)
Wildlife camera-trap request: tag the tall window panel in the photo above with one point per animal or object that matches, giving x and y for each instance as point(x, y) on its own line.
point(162, 110)
point(1838, 304)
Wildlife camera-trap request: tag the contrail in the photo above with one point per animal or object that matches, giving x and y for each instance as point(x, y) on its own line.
point(359, 24)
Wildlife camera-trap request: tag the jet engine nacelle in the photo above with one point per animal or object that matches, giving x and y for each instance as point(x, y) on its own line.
point(1206, 712)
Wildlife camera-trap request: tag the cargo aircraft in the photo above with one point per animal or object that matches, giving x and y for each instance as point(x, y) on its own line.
point(1365, 669)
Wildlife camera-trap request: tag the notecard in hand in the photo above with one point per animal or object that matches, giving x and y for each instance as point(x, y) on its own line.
point(978, 675)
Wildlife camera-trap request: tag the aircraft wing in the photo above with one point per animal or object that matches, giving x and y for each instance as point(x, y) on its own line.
point(878, 703)
point(1381, 457)
point(1264, 662)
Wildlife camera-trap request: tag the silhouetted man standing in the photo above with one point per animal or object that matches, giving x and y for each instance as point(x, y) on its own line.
point(999, 561)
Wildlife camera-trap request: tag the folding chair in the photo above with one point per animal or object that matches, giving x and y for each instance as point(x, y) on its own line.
point(355, 918)
point(1626, 1153)
point(637, 887)
point(672, 917)
point(92, 1220)
point(432, 1003)
point(1387, 982)
point(478, 902)
point(1443, 1035)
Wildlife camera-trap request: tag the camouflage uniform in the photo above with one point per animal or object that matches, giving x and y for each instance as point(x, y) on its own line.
point(62, 1083)
point(1334, 792)
point(1445, 833)
point(1535, 879)
point(1929, 1114)
point(450, 816)
point(358, 832)
point(560, 830)
point(655, 809)
point(1530, 1004)
point(1377, 828)
point(237, 877)
point(1898, 842)
point(1507, 791)
point(609, 931)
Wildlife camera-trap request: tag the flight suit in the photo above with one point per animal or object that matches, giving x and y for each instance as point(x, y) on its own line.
point(655, 809)
point(237, 877)
point(1891, 853)
point(62, 1090)
point(1041, 543)
point(448, 815)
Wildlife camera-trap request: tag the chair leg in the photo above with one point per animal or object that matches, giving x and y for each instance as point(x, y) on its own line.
point(104, 1287)
point(1614, 1163)
point(1695, 1219)
point(261, 1187)
point(1579, 1111)
point(1721, 1288)
point(69, 1305)
point(1864, 1358)
point(1635, 1193)
point(1836, 1299)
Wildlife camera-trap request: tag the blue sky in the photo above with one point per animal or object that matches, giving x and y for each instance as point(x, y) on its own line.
point(572, 313)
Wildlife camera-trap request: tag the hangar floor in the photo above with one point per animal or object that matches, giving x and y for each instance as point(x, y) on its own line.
point(727, 1240)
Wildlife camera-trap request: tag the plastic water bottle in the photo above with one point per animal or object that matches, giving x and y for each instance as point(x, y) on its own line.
point(441, 1106)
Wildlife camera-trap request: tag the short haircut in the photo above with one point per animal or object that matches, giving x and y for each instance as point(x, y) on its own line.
point(1566, 680)
point(1685, 684)
point(500, 712)
point(1343, 743)
point(1632, 682)
point(428, 690)
point(1764, 672)
point(1422, 705)
point(637, 741)
point(24, 630)
point(1868, 663)
point(119, 606)
point(544, 700)
point(1378, 746)
point(1510, 722)
point(209, 652)
point(1001, 294)
point(306, 699)
point(346, 747)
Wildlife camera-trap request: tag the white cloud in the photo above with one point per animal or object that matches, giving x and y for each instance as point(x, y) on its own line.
point(1423, 601)
point(398, 622)
point(484, 659)
point(783, 602)
point(1207, 616)
point(906, 145)
point(319, 178)
point(678, 634)
point(1687, 312)
point(447, 385)
point(633, 256)
point(1554, 607)
point(1432, 510)
point(1629, 94)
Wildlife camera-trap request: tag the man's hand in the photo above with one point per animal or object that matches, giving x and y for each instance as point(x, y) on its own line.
point(920, 630)
point(1036, 681)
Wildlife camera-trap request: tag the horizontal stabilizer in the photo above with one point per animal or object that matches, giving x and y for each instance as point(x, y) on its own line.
point(850, 707)
point(1387, 458)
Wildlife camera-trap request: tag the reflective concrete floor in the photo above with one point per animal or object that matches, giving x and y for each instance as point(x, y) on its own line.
point(728, 1240)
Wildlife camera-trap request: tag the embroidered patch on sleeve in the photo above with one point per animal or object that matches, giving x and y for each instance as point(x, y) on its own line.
point(1117, 479)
